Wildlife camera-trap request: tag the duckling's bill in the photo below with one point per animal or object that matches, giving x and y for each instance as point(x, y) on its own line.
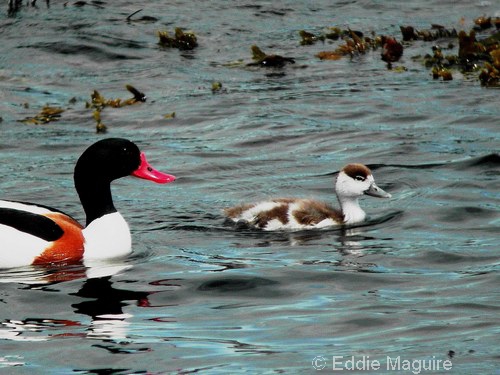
point(377, 192)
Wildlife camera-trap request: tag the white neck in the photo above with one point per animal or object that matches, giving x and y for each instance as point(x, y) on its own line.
point(351, 210)
point(107, 237)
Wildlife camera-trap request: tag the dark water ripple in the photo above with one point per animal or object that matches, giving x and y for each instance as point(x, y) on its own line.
point(418, 280)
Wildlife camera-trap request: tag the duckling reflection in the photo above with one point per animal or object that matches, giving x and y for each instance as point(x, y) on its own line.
point(351, 242)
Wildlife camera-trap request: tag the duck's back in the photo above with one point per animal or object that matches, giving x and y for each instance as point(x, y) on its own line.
point(286, 214)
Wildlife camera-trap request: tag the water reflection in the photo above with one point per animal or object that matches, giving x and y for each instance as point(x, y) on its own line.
point(15, 6)
point(353, 240)
point(37, 276)
point(106, 308)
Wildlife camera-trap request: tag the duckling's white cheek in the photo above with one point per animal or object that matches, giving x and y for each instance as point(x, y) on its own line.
point(348, 188)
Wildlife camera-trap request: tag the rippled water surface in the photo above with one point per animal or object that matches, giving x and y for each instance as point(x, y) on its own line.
point(419, 281)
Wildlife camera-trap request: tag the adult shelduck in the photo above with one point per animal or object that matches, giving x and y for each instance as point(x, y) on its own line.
point(353, 181)
point(36, 234)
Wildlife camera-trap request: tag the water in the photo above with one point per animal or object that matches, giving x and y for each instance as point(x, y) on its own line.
point(418, 282)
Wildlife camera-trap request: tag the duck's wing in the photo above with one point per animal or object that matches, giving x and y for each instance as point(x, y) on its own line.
point(32, 223)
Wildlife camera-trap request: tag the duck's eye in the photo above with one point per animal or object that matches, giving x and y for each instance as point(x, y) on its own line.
point(359, 178)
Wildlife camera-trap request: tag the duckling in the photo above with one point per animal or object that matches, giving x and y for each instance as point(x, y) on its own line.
point(353, 181)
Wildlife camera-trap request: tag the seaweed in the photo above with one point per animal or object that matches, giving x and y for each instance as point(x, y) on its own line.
point(309, 38)
point(332, 33)
point(490, 76)
point(330, 55)
point(474, 54)
point(99, 102)
point(100, 127)
point(181, 40)
point(392, 50)
point(46, 115)
point(217, 88)
point(270, 61)
point(444, 73)
point(409, 33)
point(355, 42)
point(483, 22)
point(468, 46)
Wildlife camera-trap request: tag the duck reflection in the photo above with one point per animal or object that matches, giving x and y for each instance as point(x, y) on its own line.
point(101, 301)
point(105, 307)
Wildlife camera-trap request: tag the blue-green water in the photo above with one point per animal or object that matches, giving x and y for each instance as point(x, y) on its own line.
point(419, 282)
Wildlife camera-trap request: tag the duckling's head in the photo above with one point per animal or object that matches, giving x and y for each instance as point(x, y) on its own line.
point(356, 180)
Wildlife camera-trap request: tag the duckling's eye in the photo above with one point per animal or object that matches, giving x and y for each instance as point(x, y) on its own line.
point(359, 178)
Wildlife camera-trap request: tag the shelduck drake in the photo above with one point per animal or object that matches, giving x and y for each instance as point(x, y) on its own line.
point(353, 181)
point(32, 234)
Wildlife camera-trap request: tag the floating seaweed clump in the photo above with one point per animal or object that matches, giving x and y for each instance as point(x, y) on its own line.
point(474, 54)
point(490, 76)
point(357, 43)
point(392, 50)
point(99, 127)
point(99, 102)
point(439, 59)
point(444, 73)
point(309, 38)
point(274, 61)
point(436, 32)
point(46, 115)
point(217, 88)
point(333, 33)
point(354, 43)
point(484, 22)
point(181, 40)
point(468, 47)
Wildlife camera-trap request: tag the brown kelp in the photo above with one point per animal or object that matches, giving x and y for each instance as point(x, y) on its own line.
point(392, 50)
point(271, 61)
point(181, 40)
point(98, 102)
point(332, 33)
point(356, 43)
point(217, 88)
point(410, 33)
point(475, 54)
point(46, 115)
